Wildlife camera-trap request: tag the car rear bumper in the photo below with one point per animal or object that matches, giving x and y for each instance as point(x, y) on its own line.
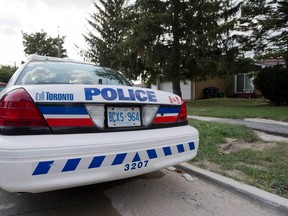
point(51, 162)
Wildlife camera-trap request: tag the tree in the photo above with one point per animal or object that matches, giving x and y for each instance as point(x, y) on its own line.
point(180, 39)
point(6, 72)
point(266, 25)
point(42, 44)
point(107, 32)
point(183, 39)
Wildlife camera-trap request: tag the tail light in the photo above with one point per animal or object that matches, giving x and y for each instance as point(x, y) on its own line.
point(171, 114)
point(182, 116)
point(18, 110)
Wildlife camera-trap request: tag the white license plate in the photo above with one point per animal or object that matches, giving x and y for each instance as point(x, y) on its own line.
point(123, 116)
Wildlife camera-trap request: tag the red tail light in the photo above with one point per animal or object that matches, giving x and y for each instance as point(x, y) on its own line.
point(17, 109)
point(182, 116)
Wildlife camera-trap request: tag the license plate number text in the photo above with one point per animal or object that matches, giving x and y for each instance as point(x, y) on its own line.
point(123, 116)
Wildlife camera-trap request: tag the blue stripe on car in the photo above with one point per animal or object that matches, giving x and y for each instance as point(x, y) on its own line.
point(167, 151)
point(152, 153)
point(64, 110)
point(191, 146)
point(119, 159)
point(43, 168)
point(72, 164)
point(96, 162)
point(168, 110)
point(180, 148)
point(136, 158)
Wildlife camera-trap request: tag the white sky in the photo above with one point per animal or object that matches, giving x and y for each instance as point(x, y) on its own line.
point(32, 16)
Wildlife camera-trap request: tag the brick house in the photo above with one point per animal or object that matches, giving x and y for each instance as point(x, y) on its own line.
point(240, 85)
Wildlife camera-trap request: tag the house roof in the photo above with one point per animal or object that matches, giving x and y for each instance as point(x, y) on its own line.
point(270, 62)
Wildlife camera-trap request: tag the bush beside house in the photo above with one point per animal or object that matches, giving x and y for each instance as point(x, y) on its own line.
point(272, 82)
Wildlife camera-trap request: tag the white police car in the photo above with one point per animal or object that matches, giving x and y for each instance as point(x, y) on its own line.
point(65, 123)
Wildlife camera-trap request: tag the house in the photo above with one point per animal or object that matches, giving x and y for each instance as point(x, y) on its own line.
point(240, 85)
point(190, 89)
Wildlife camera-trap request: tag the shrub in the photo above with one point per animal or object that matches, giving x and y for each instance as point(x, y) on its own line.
point(6, 72)
point(273, 83)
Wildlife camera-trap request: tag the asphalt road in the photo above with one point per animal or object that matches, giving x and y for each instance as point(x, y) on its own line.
point(160, 193)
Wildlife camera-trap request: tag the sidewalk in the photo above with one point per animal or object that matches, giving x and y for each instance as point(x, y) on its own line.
point(268, 127)
point(258, 194)
point(277, 128)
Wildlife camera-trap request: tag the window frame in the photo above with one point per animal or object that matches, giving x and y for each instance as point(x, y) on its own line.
point(250, 76)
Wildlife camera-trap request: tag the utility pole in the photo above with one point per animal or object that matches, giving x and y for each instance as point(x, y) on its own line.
point(59, 54)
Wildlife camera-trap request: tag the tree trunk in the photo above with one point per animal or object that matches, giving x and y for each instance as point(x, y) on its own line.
point(176, 86)
point(286, 56)
point(176, 50)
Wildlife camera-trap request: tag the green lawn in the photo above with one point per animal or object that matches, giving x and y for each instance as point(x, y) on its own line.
point(237, 108)
point(247, 159)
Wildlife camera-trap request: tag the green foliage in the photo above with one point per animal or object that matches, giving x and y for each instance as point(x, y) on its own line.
point(268, 55)
point(6, 73)
point(42, 44)
point(272, 82)
point(108, 27)
point(179, 39)
point(266, 23)
point(183, 39)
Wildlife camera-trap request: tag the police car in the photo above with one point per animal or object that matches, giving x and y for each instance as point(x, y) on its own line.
point(66, 123)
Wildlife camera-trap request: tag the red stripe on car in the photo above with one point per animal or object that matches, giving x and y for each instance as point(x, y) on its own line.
point(164, 119)
point(63, 122)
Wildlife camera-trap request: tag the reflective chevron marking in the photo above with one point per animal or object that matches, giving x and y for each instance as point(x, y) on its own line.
point(99, 161)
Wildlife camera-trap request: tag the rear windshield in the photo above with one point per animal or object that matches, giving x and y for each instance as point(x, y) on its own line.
point(43, 72)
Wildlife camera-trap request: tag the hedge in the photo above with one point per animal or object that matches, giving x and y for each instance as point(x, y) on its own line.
point(273, 83)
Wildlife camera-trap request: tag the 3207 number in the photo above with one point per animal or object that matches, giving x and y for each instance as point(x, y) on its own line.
point(135, 165)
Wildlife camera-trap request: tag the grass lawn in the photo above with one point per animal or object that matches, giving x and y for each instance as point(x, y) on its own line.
point(237, 108)
point(243, 156)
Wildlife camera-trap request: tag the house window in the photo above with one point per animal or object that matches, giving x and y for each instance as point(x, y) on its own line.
point(244, 83)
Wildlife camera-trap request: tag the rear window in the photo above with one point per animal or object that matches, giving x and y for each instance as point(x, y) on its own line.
point(1, 87)
point(44, 72)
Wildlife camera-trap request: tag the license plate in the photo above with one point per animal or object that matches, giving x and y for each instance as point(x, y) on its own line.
point(123, 116)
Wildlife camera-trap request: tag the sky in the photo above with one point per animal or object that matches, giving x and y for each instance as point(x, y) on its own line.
point(30, 16)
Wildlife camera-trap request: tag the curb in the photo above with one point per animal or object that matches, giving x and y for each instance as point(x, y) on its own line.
point(256, 193)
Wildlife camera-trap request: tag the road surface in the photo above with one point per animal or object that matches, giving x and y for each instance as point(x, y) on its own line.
point(160, 193)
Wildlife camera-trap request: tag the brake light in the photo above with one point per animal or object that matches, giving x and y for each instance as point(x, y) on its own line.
point(171, 114)
point(182, 116)
point(17, 109)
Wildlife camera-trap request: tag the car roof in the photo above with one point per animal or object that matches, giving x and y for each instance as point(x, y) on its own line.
point(35, 57)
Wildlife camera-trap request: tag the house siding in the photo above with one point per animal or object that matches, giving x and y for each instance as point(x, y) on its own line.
point(192, 90)
point(201, 85)
point(185, 86)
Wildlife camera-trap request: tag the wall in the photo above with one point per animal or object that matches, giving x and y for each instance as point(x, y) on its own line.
point(201, 85)
point(185, 88)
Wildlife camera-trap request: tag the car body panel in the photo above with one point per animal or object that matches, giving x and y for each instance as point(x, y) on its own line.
point(51, 162)
point(98, 94)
